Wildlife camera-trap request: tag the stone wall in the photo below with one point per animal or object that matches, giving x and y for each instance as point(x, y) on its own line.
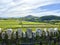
point(39, 37)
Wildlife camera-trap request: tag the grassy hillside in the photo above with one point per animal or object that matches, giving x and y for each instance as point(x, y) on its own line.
point(40, 19)
point(4, 24)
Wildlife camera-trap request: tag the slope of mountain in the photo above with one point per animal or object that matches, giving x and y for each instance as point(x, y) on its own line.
point(35, 19)
point(43, 18)
point(51, 17)
point(30, 18)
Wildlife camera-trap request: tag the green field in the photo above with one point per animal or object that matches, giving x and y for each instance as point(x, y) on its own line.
point(14, 24)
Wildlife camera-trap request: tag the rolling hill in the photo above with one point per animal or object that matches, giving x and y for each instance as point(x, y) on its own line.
point(43, 18)
point(32, 18)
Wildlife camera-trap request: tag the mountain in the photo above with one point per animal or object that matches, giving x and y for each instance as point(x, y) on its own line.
point(35, 19)
point(50, 17)
point(30, 18)
point(43, 18)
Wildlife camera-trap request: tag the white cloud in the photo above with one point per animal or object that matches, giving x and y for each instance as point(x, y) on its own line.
point(47, 13)
point(24, 7)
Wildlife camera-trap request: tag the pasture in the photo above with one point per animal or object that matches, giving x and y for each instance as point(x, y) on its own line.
point(14, 24)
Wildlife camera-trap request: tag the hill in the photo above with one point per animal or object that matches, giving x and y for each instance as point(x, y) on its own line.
point(34, 18)
point(43, 18)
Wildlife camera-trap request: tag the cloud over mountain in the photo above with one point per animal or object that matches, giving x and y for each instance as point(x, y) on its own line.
point(16, 8)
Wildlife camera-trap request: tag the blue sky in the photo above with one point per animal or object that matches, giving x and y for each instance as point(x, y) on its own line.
point(20, 8)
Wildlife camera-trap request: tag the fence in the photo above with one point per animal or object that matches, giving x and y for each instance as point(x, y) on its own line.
point(39, 37)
